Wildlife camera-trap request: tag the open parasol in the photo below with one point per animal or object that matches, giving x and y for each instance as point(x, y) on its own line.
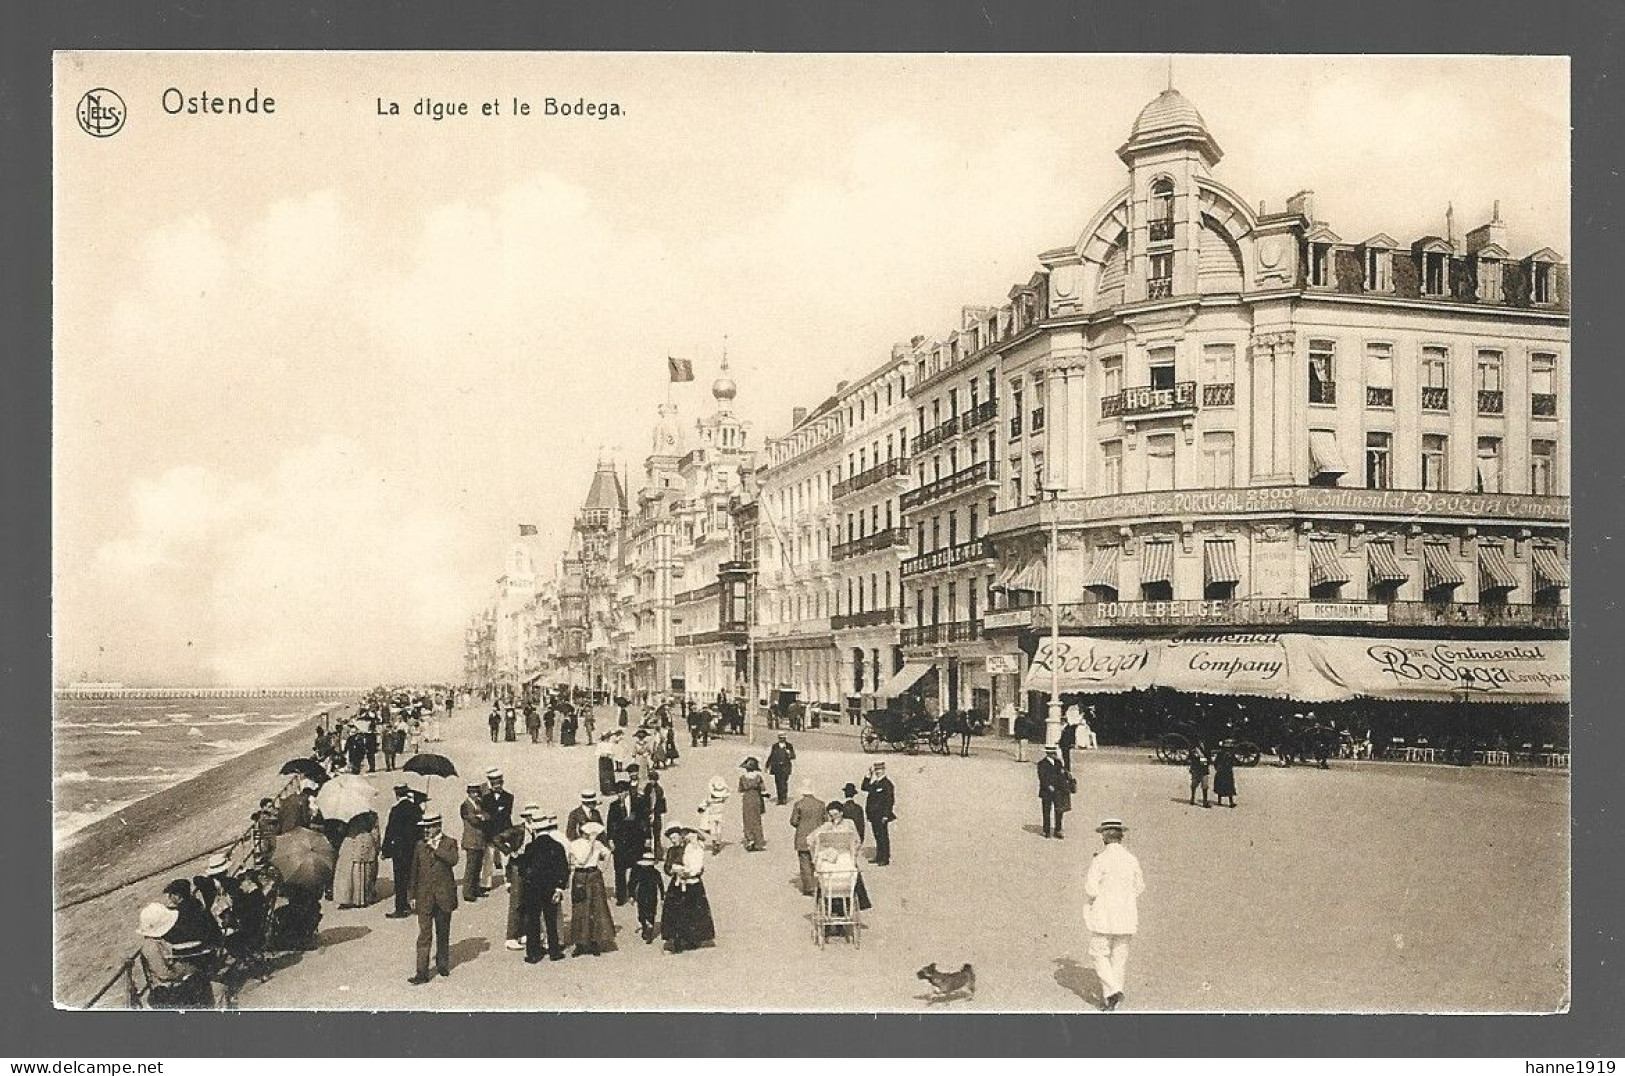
point(304, 858)
point(305, 766)
point(346, 796)
point(430, 765)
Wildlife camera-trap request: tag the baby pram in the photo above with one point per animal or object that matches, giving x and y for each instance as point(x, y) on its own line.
point(836, 881)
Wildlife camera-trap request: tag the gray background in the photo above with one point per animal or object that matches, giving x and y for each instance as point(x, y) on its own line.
point(1589, 32)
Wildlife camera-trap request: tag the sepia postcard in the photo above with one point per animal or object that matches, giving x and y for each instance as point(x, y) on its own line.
point(840, 533)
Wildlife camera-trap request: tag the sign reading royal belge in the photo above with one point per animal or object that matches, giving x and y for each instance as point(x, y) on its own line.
point(1308, 668)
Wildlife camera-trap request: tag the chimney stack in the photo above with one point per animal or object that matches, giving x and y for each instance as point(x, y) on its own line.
point(1303, 204)
point(1488, 234)
point(797, 417)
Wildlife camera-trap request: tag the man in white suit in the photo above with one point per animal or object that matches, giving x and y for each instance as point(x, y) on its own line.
point(1112, 888)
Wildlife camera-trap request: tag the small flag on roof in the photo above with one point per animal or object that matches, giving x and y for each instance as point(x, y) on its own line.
point(681, 369)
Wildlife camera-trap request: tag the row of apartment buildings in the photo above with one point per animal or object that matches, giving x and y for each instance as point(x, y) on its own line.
point(1198, 417)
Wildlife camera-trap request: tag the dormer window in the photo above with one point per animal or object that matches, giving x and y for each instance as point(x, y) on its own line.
point(1377, 265)
point(1541, 281)
point(1489, 279)
point(1435, 273)
point(1320, 265)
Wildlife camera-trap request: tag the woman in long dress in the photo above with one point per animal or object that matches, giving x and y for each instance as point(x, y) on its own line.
point(606, 766)
point(687, 923)
point(752, 803)
point(355, 875)
point(591, 928)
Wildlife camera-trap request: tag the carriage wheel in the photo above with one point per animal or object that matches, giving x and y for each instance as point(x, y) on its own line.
point(1247, 753)
point(1172, 748)
point(870, 740)
point(939, 741)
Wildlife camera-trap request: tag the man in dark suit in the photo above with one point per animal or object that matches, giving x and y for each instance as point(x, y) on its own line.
point(880, 806)
point(545, 872)
point(475, 822)
point(498, 803)
point(780, 761)
point(587, 812)
point(628, 837)
point(434, 896)
point(294, 811)
point(649, 803)
point(400, 842)
point(1054, 789)
point(850, 809)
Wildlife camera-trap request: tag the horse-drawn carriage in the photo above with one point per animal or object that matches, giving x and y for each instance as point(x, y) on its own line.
point(1288, 738)
point(903, 730)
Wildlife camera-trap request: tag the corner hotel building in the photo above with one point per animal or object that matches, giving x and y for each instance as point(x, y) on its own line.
point(1245, 422)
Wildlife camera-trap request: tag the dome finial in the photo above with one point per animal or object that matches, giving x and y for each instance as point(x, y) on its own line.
point(723, 388)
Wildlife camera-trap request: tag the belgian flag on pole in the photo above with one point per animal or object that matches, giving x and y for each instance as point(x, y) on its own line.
point(680, 369)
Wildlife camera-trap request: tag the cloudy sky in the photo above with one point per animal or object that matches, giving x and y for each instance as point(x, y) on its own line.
point(312, 369)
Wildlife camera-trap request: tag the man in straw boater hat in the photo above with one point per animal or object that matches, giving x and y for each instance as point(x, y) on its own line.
point(1054, 790)
point(1112, 888)
point(587, 812)
point(475, 822)
point(880, 805)
point(433, 892)
point(544, 868)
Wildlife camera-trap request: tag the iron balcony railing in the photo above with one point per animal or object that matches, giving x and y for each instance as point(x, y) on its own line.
point(978, 415)
point(1491, 401)
point(1543, 404)
point(870, 618)
point(983, 472)
point(1322, 392)
point(947, 557)
point(937, 434)
point(1162, 230)
point(957, 631)
point(1221, 394)
point(896, 467)
point(1378, 397)
point(1038, 420)
point(1435, 398)
point(1161, 287)
point(891, 538)
point(1149, 400)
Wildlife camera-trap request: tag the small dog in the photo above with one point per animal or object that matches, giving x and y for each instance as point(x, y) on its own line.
point(949, 983)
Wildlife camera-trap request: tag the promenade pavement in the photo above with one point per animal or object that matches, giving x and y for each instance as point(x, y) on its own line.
point(1352, 889)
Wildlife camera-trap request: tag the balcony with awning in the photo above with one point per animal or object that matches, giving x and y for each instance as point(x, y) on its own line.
point(1026, 575)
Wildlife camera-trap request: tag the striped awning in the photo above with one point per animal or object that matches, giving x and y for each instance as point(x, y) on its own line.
point(1219, 561)
point(1385, 567)
point(1550, 570)
point(1325, 566)
point(1494, 573)
point(1440, 567)
point(905, 678)
point(1030, 576)
point(1323, 453)
point(1103, 570)
point(1159, 563)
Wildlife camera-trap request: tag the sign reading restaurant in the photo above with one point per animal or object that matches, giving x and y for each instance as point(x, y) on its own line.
point(1297, 500)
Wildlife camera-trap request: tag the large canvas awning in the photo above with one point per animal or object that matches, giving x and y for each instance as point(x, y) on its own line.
point(1159, 563)
point(905, 678)
point(1440, 567)
point(1325, 566)
point(1324, 454)
point(1384, 565)
point(1219, 563)
point(1308, 668)
point(1103, 570)
point(1550, 571)
point(1494, 571)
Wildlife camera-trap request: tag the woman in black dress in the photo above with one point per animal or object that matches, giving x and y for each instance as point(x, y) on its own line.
point(1224, 773)
point(687, 922)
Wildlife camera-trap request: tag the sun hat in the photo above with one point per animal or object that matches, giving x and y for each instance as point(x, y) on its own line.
point(156, 920)
point(217, 864)
point(1052, 749)
point(833, 805)
point(544, 822)
point(1111, 824)
point(473, 786)
point(493, 774)
point(673, 830)
point(750, 764)
point(429, 820)
point(589, 796)
point(531, 810)
point(850, 789)
point(592, 829)
point(402, 789)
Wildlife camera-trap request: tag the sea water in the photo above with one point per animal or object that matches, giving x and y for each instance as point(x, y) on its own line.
point(113, 752)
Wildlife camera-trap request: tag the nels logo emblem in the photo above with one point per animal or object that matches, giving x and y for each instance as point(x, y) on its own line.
point(101, 113)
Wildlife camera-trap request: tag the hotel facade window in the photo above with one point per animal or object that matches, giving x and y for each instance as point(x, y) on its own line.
point(1322, 372)
point(1543, 467)
point(1489, 465)
point(1379, 375)
point(1111, 467)
point(1379, 450)
point(1490, 400)
point(1543, 385)
point(1489, 279)
point(1219, 375)
point(1435, 378)
point(1219, 459)
point(1159, 461)
point(1435, 461)
point(1160, 367)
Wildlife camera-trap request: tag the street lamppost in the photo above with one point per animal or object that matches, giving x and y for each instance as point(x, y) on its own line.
point(1052, 723)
